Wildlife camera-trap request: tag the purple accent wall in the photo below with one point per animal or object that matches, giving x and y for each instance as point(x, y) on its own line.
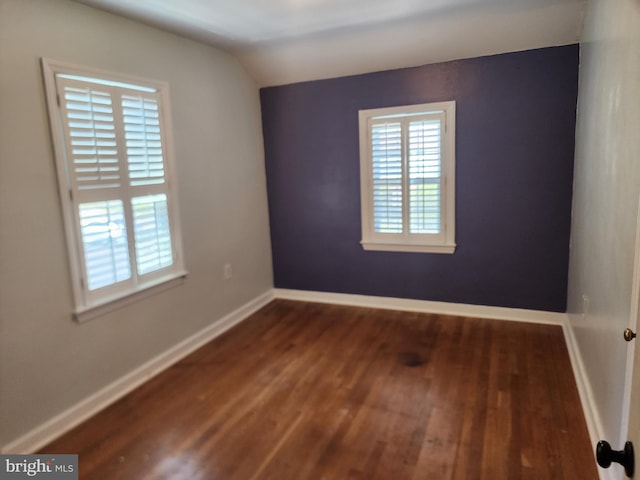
point(514, 171)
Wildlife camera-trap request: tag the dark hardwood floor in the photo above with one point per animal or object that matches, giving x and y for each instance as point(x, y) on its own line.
point(310, 391)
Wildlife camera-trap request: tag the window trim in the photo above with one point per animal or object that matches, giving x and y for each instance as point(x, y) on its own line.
point(86, 308)
point(407, 242)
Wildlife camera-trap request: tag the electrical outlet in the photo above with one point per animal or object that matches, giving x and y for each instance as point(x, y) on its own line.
point(228, 273)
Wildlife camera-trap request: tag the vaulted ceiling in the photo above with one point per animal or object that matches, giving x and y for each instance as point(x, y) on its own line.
point(283, 41)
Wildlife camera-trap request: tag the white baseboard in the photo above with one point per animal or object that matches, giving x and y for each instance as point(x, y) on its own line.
point(584, 386)
point(426, 306)
point(591, 415)
point(65, 421)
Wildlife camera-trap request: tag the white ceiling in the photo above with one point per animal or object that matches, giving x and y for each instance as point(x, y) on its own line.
point(283, 41)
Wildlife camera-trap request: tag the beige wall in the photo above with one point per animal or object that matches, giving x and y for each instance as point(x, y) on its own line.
point(606, 190)
point(48, 363)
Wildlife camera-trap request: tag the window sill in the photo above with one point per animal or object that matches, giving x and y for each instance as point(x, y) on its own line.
point(84, 314)
point(403, 247)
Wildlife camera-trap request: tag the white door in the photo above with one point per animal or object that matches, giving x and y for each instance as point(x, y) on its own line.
point(623, 452)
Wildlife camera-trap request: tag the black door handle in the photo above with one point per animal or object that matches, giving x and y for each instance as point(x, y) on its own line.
point(605, 455)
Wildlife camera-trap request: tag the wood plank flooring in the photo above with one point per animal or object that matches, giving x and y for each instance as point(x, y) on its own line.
point(309, 391)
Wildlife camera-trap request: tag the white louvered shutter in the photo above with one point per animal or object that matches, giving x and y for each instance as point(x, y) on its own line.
point(152, 233)
point(424, 165)
point(386, 158)
point(407, 178)
point(146, 175)
point(96, 178)
point(406, 175)
point(141, 118)
point(116, 169)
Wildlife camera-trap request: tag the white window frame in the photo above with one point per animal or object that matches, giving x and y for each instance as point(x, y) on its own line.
point(442, 242)
point(91, 304)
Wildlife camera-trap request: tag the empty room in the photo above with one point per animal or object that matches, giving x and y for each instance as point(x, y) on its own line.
point(319, 239)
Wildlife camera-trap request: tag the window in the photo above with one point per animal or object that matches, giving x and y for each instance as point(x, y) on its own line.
point(111, 137)
point(407, 178)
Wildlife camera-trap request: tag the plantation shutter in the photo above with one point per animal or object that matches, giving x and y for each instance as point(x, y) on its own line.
point(386, 154)
point(91, 137)
point(146, 173)
point(116, 170)
point(407, 178)
point(96, 179)
point(424, 165)
point(406, 174)
point(152, 233)
point(141, 118)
